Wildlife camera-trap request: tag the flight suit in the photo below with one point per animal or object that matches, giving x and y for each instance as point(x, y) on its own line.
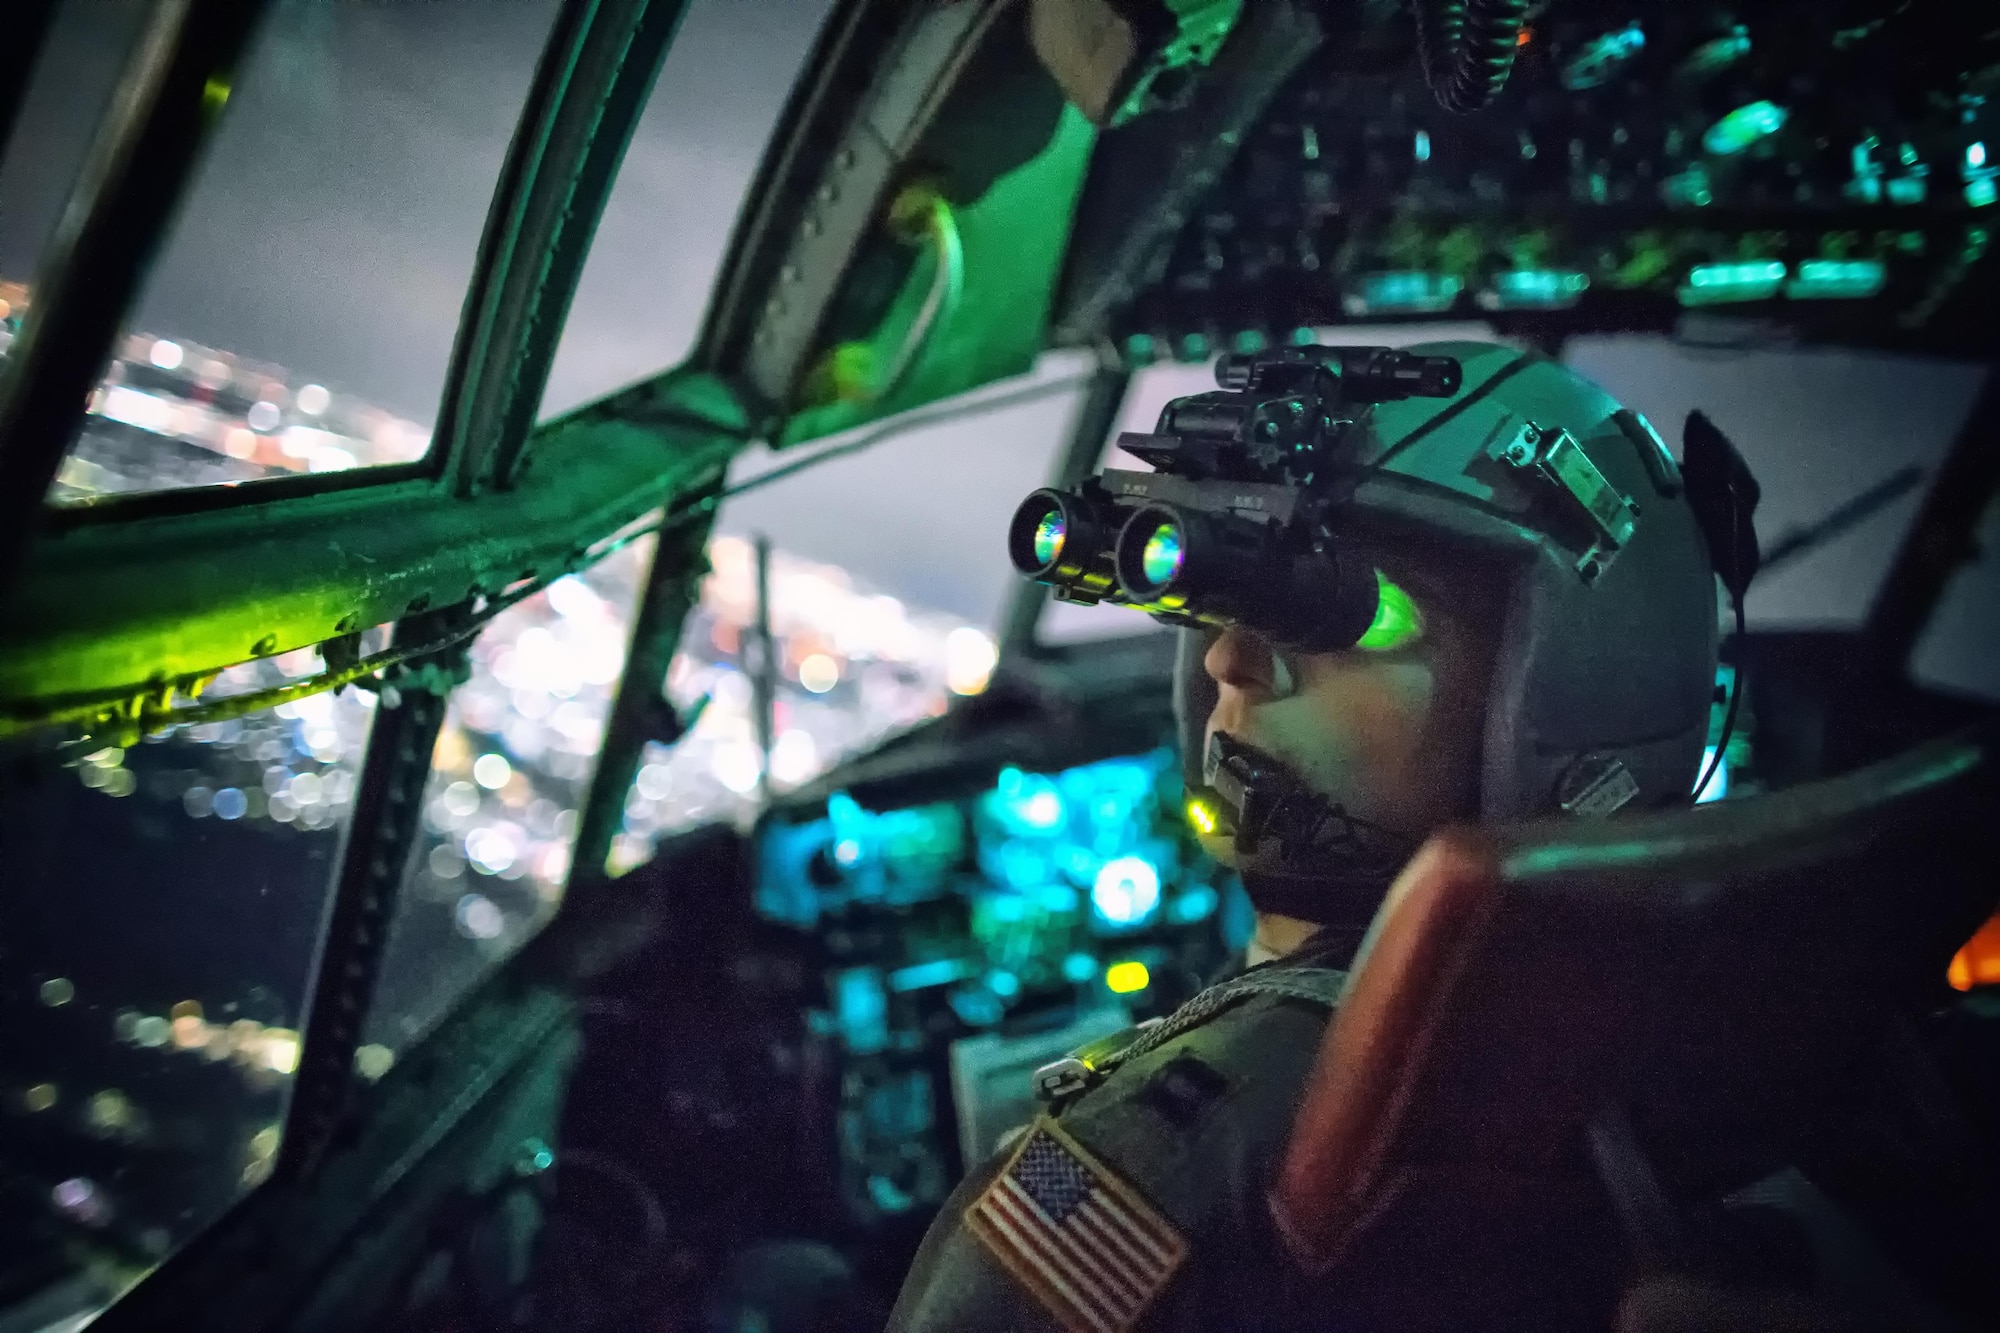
point(1178, 1142)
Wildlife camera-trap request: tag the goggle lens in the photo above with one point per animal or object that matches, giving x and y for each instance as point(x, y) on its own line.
point(1164, 554)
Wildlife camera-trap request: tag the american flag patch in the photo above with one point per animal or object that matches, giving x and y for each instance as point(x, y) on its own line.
point(1082, 1240)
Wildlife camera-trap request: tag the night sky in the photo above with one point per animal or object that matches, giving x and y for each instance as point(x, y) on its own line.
point(333, 227)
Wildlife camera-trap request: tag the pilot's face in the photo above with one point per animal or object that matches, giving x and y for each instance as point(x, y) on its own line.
point(1392, 734)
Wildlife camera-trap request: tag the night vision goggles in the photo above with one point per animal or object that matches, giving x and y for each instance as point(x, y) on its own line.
point(1239, 523)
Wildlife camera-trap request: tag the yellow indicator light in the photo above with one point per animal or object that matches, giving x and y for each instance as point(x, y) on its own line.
point(214, 96)
point(1126, 977)
point(1200, 816)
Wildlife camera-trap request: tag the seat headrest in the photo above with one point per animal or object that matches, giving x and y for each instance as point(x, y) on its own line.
point(1707, 972)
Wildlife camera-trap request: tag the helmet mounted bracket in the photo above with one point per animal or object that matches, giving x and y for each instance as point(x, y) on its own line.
point(1558, 462)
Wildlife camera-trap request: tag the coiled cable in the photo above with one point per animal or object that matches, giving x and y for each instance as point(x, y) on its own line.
point(1467, 48)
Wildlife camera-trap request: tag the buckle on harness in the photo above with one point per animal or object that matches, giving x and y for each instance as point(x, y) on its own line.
point(1060, 1079)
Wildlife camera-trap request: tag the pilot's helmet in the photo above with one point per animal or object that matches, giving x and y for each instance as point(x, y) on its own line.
point(1605, 659)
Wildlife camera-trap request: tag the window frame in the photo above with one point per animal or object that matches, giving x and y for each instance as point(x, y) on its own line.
point(116, 594)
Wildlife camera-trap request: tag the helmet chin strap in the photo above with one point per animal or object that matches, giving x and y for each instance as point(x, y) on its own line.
point(1319, 863)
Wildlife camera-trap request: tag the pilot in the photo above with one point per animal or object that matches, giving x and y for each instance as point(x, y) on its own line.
point(1543, 642)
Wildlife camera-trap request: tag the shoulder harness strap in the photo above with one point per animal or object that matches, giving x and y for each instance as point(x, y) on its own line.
point(1089, 1065)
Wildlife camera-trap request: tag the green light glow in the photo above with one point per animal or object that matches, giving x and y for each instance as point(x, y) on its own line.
point(1720, 53)
point(1831, 279)
point(1049, 535)
point(1743, 127)
point(1754, 280)
point(1534, 289)
point(1401, 292)
point(1397, 622)
point(1162, 558)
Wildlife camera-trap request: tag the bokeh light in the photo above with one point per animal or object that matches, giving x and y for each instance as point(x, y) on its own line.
point(970, 656)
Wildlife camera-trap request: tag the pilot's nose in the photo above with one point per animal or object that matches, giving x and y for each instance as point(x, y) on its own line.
point(1245, 660)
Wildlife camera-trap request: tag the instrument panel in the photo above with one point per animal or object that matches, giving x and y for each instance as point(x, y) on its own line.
point(962, 941)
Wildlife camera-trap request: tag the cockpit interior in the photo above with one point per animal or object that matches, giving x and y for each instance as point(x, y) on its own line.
point(533, 797)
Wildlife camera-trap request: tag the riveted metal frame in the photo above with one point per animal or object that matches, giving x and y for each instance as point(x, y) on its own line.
point(835, 80)
point(589, 91)
point(374, 855)
point(587, 99)
point(640, 711)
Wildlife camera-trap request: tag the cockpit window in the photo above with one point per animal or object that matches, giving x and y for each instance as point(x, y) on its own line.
point(68, 90)
point(683, 181)
point(1961, 646)
point(156, 949)
point(1827, 430)
point(301, 312)
point(506, 790)
point(853, 664)
point(888, 580)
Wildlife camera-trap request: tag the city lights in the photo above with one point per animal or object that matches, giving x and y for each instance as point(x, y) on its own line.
point(500, 812)
point(970, 657)
point(867, 665)
point(819, 673)
point(479, 918)
point(794, 758)
point(170, 413)
point(373, 1060)
point(491, 771)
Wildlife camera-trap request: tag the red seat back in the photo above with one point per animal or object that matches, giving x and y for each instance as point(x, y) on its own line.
point(1708, 975)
